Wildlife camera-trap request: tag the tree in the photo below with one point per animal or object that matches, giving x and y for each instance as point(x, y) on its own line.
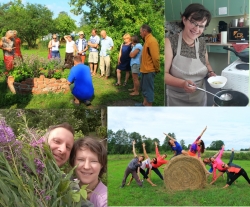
point(64, 24)
point(182, 143)
point(31, 21)
point(166, 146)
point(118, 17)
point(216, 145)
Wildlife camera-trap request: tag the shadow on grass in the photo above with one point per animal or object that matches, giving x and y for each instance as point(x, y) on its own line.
point(106, 94)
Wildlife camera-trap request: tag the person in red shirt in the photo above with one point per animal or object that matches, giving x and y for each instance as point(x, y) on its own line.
point(234, 171)
point(17, 45)
point(160, 161)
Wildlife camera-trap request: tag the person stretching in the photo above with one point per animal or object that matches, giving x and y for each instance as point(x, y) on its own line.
point(234, 171)
point(133, 167)
point(146, 164)
point(160, 161)
point(198, 146)
point(176, 147)
point(217, 164)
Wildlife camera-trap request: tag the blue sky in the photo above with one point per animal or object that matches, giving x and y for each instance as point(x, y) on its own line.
point(56, 6)
point(231, 125)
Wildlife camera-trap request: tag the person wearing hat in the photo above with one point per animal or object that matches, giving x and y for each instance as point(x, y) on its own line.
point(70, 50)
point(81, 46)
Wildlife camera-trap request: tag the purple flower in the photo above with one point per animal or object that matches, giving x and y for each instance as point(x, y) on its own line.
point(38, 143)
point(47, 197)
point(6, 133)
point(39, 165)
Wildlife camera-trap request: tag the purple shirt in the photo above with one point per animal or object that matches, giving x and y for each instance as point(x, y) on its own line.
point(99, 195)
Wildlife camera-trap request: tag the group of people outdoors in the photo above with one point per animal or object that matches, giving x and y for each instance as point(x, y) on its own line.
point(10, 44)
point(140, 60)
point(88, 154)
point(186, 59)
point(133, 57)
point(142, 164)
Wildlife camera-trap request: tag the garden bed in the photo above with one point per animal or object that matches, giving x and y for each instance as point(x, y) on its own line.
point(41, 85)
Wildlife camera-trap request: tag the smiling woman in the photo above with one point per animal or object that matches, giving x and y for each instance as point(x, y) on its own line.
point(90, 156)
point(186, 59)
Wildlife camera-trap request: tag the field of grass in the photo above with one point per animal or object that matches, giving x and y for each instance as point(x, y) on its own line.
point(106, 94)
point(212, 195)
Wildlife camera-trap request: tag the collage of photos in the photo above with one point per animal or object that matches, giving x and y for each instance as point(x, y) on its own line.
point(124, 103)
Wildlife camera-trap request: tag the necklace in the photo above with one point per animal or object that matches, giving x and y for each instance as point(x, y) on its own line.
point(187, 43)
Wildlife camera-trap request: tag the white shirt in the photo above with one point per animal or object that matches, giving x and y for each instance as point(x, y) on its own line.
point(70, 46)
point(55, 45)
point(146, 164)
point(80, 45)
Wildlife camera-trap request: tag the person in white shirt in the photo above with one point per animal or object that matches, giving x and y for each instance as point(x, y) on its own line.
point(54, 45)
point(81, 46)
point(70, 50)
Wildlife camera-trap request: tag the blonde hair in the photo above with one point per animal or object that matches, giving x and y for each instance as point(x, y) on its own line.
point(14, 32)
point(126, 36)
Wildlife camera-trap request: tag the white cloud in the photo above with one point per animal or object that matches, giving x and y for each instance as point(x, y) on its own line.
point(230, 125)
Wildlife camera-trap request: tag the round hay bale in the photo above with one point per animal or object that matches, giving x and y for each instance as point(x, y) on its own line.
point(184, 172)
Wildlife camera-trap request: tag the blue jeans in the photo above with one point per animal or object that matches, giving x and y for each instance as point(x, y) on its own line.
point(55, 54)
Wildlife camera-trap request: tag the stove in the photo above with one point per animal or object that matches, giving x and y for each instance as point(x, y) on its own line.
point(237, 80)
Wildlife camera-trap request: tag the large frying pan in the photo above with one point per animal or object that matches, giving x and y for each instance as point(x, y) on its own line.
point(244, 56)
point(239, 99)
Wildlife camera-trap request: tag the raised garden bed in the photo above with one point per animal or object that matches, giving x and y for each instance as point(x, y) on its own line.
point(39, 85)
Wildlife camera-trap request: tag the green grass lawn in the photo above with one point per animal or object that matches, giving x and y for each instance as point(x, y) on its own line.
point(211, 195)
point(106, 94)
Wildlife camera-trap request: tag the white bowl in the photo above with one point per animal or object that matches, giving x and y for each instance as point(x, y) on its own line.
point(217, 81)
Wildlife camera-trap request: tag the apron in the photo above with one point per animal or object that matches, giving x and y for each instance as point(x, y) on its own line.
point(187, 69)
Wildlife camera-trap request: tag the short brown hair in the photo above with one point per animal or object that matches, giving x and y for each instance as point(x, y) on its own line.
point(64, 125)
point(196, 12)
point(77, 59)
point(95, 146)
point(135, 39)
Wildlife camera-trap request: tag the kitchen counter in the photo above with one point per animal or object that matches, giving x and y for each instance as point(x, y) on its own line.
point(219, 43)
point(237, 80)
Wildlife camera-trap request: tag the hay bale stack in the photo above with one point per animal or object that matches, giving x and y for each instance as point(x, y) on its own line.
point(184, 172)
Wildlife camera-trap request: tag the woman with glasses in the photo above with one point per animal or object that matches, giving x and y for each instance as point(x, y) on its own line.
point(186, 59)
point(54, 45)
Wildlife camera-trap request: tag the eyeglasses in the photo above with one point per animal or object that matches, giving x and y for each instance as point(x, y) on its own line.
point(201, 27)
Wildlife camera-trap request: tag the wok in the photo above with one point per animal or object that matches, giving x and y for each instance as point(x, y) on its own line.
point(244, 56)
point(238, 99)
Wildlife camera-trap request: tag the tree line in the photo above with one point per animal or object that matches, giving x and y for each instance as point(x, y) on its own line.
point(33, 21)
point(83, 121)
point(120, 142)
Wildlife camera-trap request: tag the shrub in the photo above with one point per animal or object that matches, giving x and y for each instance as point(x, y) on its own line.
point(32, 66)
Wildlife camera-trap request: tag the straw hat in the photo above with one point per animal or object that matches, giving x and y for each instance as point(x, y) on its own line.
point(81, 33)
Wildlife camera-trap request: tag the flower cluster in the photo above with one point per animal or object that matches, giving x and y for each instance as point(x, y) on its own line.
point(29, 175)
point(32, 66)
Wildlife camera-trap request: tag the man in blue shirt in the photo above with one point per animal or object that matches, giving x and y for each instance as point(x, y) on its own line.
point(107, 45)
point(81, 82)
point(93, 44)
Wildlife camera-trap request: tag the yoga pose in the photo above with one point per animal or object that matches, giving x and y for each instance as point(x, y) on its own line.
point(176, 147)
point(198, 146)
point(234, 171)
point(146, 164)
point(133, 167)
point(217, 164)
point(160, 161)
